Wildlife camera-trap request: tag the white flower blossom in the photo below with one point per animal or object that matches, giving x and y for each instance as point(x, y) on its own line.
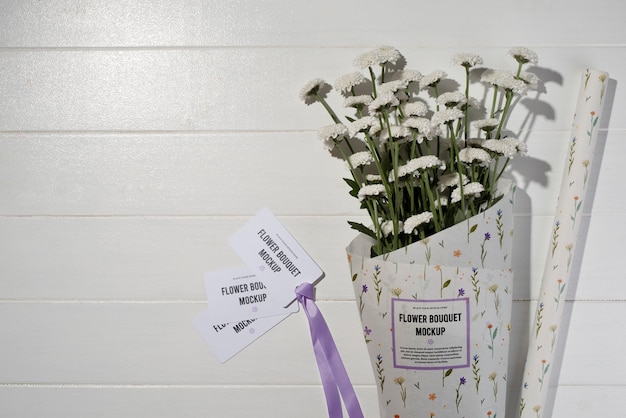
point(474, 103)
point(332, 133)
point(391, 86)
point(430, 80)
point(414, 109)
point(311, 88)
point(383, 101)
point(446, 115)
point(373, 178)
point(523, 55)
point(398, 133)
point(387, 227)
point(412, 222)
point(507, 147)
point(451, 180)
point(471, 155)
point(488, 124)
point(422, 128)
point(361, 158)
point(362, 124)
point(469, 189)
point(415, 165)
point(346, 82)
point(381, 55)
point(506, 80)
point(467, 59)
point(358, 101)
point(451, 99)
point(370, 190)
point(409, 76)
point(531, 80)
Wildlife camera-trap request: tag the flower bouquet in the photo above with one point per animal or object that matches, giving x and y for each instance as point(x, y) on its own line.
point(432, 270)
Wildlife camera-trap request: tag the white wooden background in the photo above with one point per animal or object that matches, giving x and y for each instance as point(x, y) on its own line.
point(136, 136)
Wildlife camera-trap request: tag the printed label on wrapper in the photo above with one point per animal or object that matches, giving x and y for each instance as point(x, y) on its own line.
point(436, 317)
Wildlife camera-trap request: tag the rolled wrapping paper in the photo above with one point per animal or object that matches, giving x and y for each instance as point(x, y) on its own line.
point(548, 317)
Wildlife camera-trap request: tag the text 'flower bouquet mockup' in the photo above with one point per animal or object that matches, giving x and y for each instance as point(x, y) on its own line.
point(432, 269)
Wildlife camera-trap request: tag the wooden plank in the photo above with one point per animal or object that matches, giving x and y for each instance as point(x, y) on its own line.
point(155, 344)
point(217, 23)
point(200, 174)
point(250, 401)
point(214, 88)
point(164, 259)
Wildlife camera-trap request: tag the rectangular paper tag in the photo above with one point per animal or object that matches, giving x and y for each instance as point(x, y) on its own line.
point(226, 340)
point(274, 255)
point(238, 294)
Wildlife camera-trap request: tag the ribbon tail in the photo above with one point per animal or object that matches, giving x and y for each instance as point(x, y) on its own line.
point(329, 355)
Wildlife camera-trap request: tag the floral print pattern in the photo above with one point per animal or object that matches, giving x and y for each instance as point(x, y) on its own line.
point(447, 267)
point(549, 309)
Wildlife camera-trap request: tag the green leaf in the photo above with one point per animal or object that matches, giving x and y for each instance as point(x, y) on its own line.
point(354, 277)
point(446, 284)
point(362, 229)
point(473, 228)
point(448, 372)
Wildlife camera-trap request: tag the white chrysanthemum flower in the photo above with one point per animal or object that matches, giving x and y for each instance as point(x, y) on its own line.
point(409, 76)
point(531, 80)
point(391, 86)
point(469, 189)
point(451, 180)
point(430, 80)
point(358, 102)
point(487, 125)
point(412, 222)
point(428, 161)
point(507, 149)
point(421, 125)
point(474, 155)
point(446, 115)
point(387, 227)
point(381, 55)
point(496, 77)
point(474, 103)
point(332, 133)
point(513, 146)
point(371, 190)
point(414, 109)
point(506, 80)
point(466, 59)
point(398, 133)
point(523, 55)
point(403, 171)
point(443, 201)
point(362, 125)
point(373, 178)
point(383, 101)
point(451, 99)
point(361, 158)
point(346, 82)
point(516, 85)
point(311, 88)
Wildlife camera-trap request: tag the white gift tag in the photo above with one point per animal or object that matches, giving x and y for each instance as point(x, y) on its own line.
point(237, 294)
point(226, 340)
point(273, 254)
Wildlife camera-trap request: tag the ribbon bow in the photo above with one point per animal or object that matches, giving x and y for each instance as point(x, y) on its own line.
point(334, 377)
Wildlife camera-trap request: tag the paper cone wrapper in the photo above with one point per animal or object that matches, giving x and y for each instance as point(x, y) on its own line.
point(436, 317)
point(564, 240)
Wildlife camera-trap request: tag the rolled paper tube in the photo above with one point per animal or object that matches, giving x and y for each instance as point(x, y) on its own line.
point(547, 321)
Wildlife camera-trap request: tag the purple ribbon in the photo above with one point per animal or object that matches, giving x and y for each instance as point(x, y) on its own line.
point(334, 377)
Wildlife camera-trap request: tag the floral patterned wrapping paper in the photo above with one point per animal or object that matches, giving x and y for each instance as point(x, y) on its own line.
point(436, 317)
point(563, 242)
